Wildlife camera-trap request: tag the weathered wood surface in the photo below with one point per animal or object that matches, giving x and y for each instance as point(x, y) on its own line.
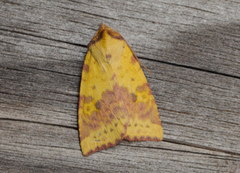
point(191, 47)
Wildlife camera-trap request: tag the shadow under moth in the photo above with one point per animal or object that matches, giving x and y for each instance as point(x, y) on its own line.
point(115, 101)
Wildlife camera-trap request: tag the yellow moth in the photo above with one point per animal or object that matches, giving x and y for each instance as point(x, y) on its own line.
point(115, 99)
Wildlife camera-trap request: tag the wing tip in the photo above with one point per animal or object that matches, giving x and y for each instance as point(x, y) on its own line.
point(104, 146)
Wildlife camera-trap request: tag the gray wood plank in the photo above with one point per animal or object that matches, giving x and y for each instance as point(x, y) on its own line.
point(192, 103)
point(197, 34)
point(192, 49)
point(56, 149)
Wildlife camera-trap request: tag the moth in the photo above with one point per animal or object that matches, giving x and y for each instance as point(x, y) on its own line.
point(115, 101)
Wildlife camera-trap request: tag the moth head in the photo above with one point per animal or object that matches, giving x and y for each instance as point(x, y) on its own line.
point(107, 44)
point(104, 34)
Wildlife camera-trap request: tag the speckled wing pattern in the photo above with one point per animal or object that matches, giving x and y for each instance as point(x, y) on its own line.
point(115, 101)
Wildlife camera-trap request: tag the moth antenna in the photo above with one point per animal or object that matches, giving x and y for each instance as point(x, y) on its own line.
point(142, 64)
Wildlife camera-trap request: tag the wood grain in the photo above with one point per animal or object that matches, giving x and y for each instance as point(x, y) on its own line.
point(192, 49)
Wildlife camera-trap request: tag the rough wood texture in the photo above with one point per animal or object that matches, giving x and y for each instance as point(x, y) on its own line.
point(192, 48)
